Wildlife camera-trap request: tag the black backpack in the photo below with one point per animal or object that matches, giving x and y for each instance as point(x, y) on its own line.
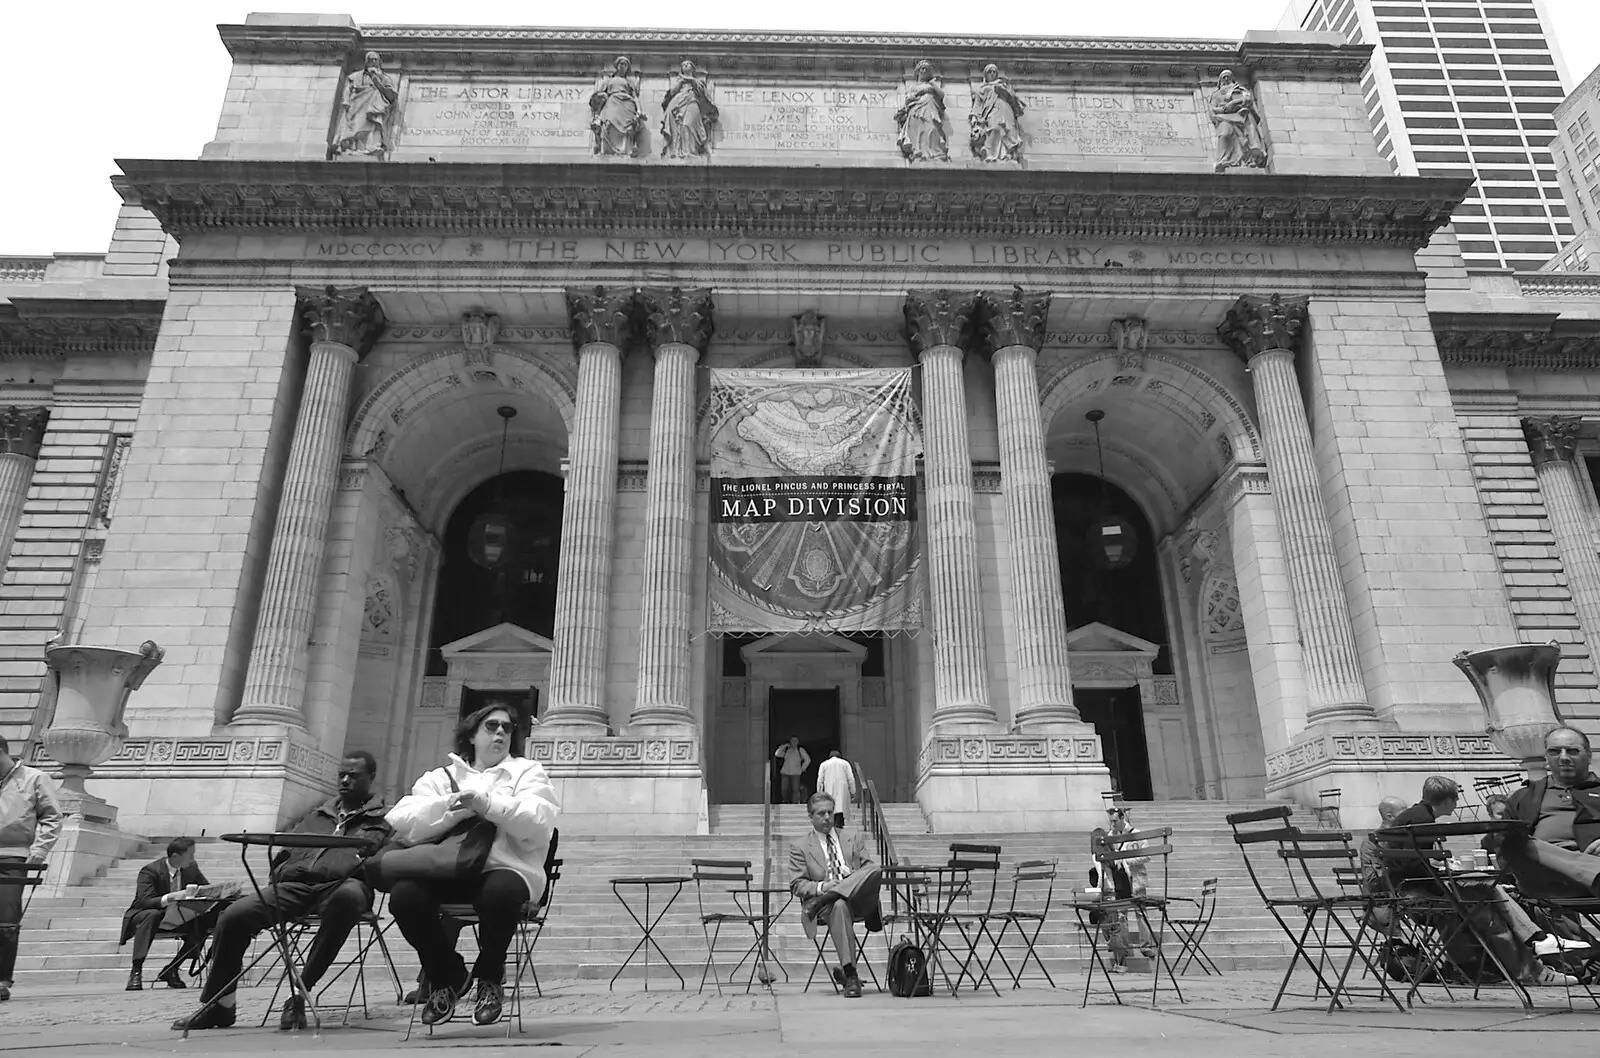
point(908, 971)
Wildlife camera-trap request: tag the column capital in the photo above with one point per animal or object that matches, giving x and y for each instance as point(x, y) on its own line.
point(601, 314)
point(677, 316)
point(22, 429)
point(937, 318)
point(348, 316)
point(1256, 325)
point(1552, 438)
point(1013, 319)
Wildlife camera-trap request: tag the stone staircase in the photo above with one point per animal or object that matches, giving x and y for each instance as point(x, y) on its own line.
point(71, 940)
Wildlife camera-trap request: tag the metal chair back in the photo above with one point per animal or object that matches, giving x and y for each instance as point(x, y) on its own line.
point(981, 862)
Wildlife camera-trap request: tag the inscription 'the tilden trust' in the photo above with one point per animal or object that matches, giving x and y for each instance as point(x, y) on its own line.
point(842, 253)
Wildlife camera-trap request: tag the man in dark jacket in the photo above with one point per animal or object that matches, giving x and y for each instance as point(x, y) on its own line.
point(160, 883)
point(327, 882)
point(1558, 855)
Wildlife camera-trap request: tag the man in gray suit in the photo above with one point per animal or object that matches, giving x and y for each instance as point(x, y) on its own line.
point(837, 881)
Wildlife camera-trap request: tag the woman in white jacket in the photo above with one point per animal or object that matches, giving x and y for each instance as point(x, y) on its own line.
point(515, 795)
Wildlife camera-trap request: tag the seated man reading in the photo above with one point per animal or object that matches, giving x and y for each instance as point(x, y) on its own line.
point(328, 882)
point(155, 908)
point(837, 881)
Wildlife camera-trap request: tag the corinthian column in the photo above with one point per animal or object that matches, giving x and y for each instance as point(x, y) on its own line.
point(1553, 442)
point(678, 325)
point(601, 321)
point(344, 324)
point(21, 434)
point(1014, 333)
point(939, 324)
point(1267, 333)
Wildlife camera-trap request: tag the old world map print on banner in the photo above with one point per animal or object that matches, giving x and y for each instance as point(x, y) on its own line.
point(814, 501)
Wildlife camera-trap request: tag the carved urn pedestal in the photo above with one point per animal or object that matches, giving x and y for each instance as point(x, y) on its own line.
point(92, 689)
point(1517, 685)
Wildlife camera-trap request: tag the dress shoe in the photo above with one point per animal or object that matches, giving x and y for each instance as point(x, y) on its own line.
point(838, 977)
point(852, 983)
point(415, 996)
point(5, 993)
point(172, 979)
point(212, 1017)
point(293, 1015)
point(135, 982)
point(486, 1008)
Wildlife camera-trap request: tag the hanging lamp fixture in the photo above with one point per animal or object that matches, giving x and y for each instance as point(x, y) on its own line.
point(491, 542)
point(1112, 540)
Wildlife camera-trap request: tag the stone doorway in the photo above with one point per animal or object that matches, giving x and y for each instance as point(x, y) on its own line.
point(812, 716)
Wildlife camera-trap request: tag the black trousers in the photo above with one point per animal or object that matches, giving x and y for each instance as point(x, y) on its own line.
point(497, 896)
point(147, 923)
point(10, 925)
point(338, 905)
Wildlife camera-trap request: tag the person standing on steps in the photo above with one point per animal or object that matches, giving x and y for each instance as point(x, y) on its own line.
point(30, 821)
point(837, 779)
point(795, 762)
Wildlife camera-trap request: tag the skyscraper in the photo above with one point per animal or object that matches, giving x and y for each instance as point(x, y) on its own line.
point(1577, 154)
point(1465, 88)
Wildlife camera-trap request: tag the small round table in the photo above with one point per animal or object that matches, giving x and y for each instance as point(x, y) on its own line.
point(273, 842)
point(647, 924)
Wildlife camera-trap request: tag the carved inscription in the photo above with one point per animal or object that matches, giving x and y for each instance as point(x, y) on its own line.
point(484, 115)
point(1116, 123)
point(807, 119)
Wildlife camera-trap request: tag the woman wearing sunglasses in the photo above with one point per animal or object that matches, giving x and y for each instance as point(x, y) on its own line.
point(489, 779)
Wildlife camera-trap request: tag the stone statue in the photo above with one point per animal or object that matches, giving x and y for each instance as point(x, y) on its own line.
point(1238, 124)
point(809, 335)
point(615, 104)
point(921, 119)
point(996, 119)
point(366, 124)
point(687, 114)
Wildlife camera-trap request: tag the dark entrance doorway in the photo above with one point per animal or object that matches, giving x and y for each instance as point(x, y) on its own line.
point(1117, 720)
point(813, 715)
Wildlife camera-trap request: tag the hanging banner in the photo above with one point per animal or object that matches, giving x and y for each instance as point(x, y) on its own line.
point(814, 501)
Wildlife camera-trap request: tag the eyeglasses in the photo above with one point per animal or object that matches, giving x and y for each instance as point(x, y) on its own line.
point(495, 727)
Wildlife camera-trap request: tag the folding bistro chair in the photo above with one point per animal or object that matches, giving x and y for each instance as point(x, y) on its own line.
point(718, 908)
point(1151, 845)
point(1033, 885)
point(1327, 809)
point(1191, 929)
point(820, 938)
point(369, 930)
point(1293, 872)
point(982, 866)
point(26, 875)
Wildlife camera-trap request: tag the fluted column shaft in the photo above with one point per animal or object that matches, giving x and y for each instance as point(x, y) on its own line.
point(679, 326)
point(1553, 442)
point(21, 435)
point(344, 325)
point(1043, 693)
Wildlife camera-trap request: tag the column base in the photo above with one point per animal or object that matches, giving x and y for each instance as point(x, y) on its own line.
point(1009, 783)
point(260, 713)
point(1052, 723)
point(574, 721)
point(625, 784)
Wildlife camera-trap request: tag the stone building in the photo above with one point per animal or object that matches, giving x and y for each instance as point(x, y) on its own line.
point(434, 297)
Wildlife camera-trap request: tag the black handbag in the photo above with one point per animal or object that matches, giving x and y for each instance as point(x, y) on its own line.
point(457, 855)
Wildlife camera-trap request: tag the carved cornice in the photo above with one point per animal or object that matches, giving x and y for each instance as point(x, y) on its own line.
point(51, 328)
point(322, 45)
point(22, 430)
point(1256, 325)
point(937, 318)
point(1529, 341)
point(349, 316)
point(1552, 438)
point(1014, 319)
point(601, 314)
point(677, 316)
point(622, 198)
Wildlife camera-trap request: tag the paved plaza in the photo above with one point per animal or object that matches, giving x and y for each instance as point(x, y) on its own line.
point(1223, 1017)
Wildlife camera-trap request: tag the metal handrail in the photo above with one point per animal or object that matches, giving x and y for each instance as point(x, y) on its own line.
point(878, 823)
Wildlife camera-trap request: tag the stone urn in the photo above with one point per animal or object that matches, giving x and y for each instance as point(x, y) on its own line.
point(92, 688)
point(1517, 685)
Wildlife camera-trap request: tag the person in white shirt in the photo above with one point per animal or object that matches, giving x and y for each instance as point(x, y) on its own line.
point(494, 782)
point(837, 779)
point(795, 762)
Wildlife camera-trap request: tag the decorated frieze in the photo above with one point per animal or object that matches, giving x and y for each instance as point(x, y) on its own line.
point(979, 754)
point(1379, 751)
point(145, 758)
point(593, 757)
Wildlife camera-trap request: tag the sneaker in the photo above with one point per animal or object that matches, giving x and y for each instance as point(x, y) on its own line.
point(1549, 944)
point(486, 1008)
point(293, 1015)
point(441, 1005)
point(1549, 978)
point(216, 1016)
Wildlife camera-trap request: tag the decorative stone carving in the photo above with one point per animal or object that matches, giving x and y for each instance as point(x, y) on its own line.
point(111, 478)
point(1015, 319)
point(405, 549)
point(1129, 336)
point(478, 333)
point(22, 430)
point(1256, 325)
point(1224, 619)
point(1552, 438)
point(687, 114)
point(1196, 550)
point(350, 316)
point(677, 316)
point(366, 120)
point(93, 684)
point(937, 318)
point(1517, 686)
point(378, 611)
point(810, 333)
point(1240, 142)
point(921, 119)
point(601, 314)
point(995, 119)
point(614, 104)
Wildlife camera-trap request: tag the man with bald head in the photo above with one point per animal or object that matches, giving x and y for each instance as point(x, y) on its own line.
point(1372, 873)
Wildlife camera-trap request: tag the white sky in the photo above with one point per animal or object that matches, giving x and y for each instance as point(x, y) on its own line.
point(83, 83)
